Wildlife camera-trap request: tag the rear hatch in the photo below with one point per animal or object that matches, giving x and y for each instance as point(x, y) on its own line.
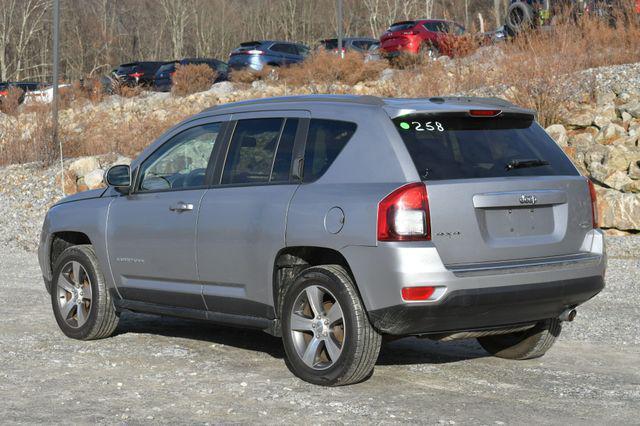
point(397, 34)
point(499, 187)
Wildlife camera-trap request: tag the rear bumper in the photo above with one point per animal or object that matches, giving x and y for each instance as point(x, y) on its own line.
point(482, 308)
point(471, 296)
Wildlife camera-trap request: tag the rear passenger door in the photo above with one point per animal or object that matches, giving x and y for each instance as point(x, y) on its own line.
point(241, 226)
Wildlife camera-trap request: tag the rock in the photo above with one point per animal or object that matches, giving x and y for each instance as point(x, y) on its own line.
point(581, 141)
point(632, 186)
point(634, 170)
point(259, 85)
point(632, 108)
point(626, 117)
point(610, 132)
point(580, 117)
point(94, 179)
point(84, 165)
point(617, 180)
point(618, 209)
point(387, 74)
point(558, 133)
point(222, 88)
point(70, 179)
point(618, 157)
point(605, 115)
point(605, 96)
point(121, 160)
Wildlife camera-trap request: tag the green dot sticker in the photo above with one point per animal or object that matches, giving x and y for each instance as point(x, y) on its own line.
point(404, 125)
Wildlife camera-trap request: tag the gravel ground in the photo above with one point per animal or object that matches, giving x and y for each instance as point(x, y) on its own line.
point(161, 370)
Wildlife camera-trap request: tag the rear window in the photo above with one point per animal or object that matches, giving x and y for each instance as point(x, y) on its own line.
point(402, 26)
point(167, 67)
point(325, 140)
point(461, 147)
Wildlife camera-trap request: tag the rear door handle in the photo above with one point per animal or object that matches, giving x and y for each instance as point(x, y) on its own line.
point(181, 207)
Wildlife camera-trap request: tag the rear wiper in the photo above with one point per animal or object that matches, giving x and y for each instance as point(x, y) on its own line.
point(523, 164)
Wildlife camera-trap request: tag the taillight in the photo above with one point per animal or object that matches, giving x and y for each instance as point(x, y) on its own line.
point(484, 112)
point(4, 93)
point(171, 74)
point(594, 203)
point(403, 215)
point(136, 75)
point(409, 33)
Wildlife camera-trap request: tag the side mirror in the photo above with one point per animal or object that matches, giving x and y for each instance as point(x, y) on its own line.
point(118, 176)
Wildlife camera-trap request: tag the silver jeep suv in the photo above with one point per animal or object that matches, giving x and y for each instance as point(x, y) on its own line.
point(333, 221)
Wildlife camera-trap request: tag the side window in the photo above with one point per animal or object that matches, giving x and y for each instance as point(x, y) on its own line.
point(181, 163)
point(282, 162)
point(284, 48)
point(325, 140)
point(251, 151)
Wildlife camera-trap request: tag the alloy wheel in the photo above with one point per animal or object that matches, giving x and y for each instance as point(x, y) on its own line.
point(317, 327)
point(74, 294)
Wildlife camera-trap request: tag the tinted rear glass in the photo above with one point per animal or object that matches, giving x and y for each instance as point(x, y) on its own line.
point(401, 26)
point(167, 68)
point(455, 147)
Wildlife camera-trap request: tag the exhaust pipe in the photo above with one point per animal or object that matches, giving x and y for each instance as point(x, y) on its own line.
point(568, 315)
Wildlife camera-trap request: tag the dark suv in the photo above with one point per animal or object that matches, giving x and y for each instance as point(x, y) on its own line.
point(138, 73)
point(163, 78)
point(256, 54)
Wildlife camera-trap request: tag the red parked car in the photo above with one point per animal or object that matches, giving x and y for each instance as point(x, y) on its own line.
point(430, 37)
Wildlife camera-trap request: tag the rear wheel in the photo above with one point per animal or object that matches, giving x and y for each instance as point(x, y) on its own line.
point(81, 303)
point(531, 343)
point(325, 330)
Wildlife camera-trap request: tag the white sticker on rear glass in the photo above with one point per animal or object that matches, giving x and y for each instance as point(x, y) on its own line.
point(422, 126)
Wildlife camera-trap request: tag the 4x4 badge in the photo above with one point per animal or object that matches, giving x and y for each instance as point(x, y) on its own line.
point(528, 199)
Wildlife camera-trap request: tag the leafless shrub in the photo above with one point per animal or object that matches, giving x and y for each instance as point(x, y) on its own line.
point(192, 78)
point(10, 102)
point(327, 68)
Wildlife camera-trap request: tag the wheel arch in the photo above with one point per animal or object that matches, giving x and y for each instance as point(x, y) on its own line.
point(290, 261)
point(62, 240)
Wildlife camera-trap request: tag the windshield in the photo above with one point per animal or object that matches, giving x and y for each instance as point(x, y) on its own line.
point(452, 146)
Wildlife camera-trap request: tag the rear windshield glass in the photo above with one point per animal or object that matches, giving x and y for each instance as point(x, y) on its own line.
point(401, 26)
point(462, 147)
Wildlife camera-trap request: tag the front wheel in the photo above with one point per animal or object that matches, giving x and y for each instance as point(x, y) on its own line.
point(531, 343)
point(81, 302)
point(327, 336)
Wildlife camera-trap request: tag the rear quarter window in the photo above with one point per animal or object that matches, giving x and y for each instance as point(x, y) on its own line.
point(325, 140)
point(461, 147)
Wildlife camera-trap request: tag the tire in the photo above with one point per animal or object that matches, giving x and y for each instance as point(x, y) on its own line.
point(528, 344)
point(94, 315)
point(519, 17)
point(357, 341)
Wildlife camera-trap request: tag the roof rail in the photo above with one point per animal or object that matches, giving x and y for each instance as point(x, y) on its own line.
point(353, 99)
point(473, 100)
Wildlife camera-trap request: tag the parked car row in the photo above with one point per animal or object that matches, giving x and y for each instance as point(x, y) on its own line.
point(24, 87)
point(407, 37)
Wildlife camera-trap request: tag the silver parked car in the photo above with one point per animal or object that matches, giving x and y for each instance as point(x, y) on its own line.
point(333, 221)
